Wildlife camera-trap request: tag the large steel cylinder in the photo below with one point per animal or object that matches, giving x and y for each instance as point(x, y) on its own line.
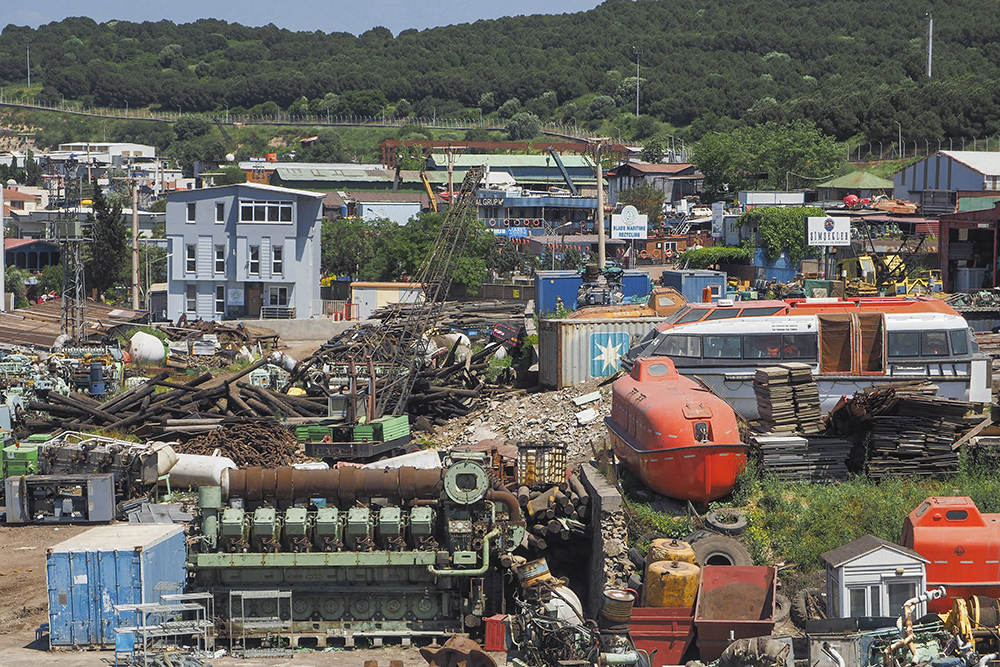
point(667, 549)
point(344, 484)
point(671, 583)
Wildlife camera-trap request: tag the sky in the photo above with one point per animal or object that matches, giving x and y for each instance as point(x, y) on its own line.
point(353, 16)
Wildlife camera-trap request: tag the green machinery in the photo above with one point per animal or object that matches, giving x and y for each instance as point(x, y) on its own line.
point(354, 551)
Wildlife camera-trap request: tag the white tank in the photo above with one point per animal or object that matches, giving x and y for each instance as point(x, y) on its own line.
point(166, 457)
point(198, 470)
point(146, 348)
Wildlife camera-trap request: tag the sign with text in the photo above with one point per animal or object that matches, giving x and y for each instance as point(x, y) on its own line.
point(828, 231)
point(629, 224)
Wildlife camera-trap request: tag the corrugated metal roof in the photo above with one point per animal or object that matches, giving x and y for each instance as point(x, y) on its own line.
point(986, 163)
point(859, 180)
point(465, 161)
point(123, 536)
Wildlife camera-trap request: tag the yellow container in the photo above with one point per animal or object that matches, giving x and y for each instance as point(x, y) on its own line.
point(671, 583)
point(664, 549)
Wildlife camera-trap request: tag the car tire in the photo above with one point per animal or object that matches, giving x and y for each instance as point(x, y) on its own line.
point(727, 520)
point(720, 550)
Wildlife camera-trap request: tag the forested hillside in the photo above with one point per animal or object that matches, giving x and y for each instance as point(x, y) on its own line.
point(854, 68)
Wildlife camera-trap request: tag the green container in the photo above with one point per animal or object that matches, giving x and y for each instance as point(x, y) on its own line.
point(312, 432)
point(364, 432)
point(391, 428)
point(20, 460)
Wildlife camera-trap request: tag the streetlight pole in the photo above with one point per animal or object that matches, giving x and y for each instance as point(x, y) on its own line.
point(636, 51)
point(899, 127)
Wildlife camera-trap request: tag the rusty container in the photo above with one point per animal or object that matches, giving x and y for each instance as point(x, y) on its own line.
point(734, 602)
point(666, 549)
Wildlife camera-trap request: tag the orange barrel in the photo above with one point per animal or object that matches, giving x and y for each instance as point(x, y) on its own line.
point(666, 549)
point(671, 583)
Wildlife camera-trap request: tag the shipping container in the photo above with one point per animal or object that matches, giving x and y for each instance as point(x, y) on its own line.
point(574, 351)
point(550, 286)
point(692, 283)
point(89, 574)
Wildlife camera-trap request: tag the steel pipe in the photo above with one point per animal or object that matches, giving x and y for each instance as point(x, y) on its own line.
point(344, 484)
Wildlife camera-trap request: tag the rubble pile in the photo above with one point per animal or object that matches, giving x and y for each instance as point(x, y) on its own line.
point(550, 417)
point(617, 565)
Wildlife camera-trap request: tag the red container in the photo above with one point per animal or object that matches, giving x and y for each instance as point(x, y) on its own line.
point(733, 600)
point(496, 633)
point(666, 632)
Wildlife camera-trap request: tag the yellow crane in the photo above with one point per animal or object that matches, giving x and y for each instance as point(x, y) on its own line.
point(430, 191)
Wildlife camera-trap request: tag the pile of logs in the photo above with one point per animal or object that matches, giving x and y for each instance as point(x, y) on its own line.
point(264, 444)
point(555, 513)
point(186, 409)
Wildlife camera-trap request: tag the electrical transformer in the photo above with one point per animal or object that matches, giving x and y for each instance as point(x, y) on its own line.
point(349, 550)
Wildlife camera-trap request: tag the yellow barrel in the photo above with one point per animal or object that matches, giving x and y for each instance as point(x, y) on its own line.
point(664, 549)
point(671, 583)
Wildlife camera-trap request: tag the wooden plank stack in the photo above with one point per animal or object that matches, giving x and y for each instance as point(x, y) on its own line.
point(788, 398)
point(804, 459)
point(914, 435)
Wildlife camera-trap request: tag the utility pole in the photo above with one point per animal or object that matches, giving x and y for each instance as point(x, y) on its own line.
point(135, 245)
point(930, 42)
point(27, 48)
point(601, 254)
point(636, 51)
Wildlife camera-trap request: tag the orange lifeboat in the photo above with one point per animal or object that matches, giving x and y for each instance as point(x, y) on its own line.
point(679, 438)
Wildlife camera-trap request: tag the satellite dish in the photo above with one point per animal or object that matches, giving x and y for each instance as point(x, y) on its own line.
point(11, 182)
point(230, 157)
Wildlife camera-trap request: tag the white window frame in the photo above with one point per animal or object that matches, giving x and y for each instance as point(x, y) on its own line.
point(220, 211)
point(277, 260)
point(191, 258)
point(220, 259)
point(266, 212)
point(191, 298)
point(220, 299)
point(277, 296)
point(191, 212)
point(253, 261)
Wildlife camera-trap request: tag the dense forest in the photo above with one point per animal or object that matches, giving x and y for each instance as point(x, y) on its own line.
point(853, 68)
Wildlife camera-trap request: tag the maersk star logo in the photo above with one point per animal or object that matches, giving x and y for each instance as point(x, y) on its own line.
point(605, 350)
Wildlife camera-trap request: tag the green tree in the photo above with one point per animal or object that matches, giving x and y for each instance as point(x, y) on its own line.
point(509, 109)
point(191, 127)
point(761, 156)
point(14, 283)
point(32, 170)
point(107, 255)
point(50, 279)
point(348, 244)
point(652, 151)
point(781, 229)
point(649, 201)
point(523, 125)
point(230, 175)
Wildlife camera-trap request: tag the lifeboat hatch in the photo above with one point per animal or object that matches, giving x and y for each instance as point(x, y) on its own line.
point(697, 411)
point(702, 432)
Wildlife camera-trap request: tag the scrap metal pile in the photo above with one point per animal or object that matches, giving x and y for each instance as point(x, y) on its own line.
point(449, 376)
point(186, 409)
point(263, 444)
point(902, 429)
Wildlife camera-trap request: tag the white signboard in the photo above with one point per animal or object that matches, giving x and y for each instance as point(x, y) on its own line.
point(828, 231)
point(234, 296)
point(629, 224)
point(718, 211)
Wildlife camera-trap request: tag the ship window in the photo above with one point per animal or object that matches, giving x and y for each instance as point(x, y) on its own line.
point(722, 347)
point(656, 370)
point(762, 347)
point(904, 344)
point(722, 313)
point(762, 312)
point(956, 515)
point(934, 343)
point(678, 315)
point(959, 341)
point(692, 315)
point(798, 346)
point(679, 346)
point(922, 510)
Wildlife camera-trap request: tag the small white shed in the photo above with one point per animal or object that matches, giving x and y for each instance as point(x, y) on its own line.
point(872, 577)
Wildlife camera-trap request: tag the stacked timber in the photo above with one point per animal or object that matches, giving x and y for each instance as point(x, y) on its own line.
point(788, 398)
point(796, 458)
point(185, 410)
point(555, 513)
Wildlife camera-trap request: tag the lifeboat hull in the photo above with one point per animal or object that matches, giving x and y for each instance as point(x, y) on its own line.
point(699, 473)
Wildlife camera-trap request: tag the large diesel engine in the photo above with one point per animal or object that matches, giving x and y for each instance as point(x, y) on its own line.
point(352, 550)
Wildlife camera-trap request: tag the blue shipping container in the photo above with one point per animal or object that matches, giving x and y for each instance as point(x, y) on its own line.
point(553, 285)
point(692, 283)
point(106, 566)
